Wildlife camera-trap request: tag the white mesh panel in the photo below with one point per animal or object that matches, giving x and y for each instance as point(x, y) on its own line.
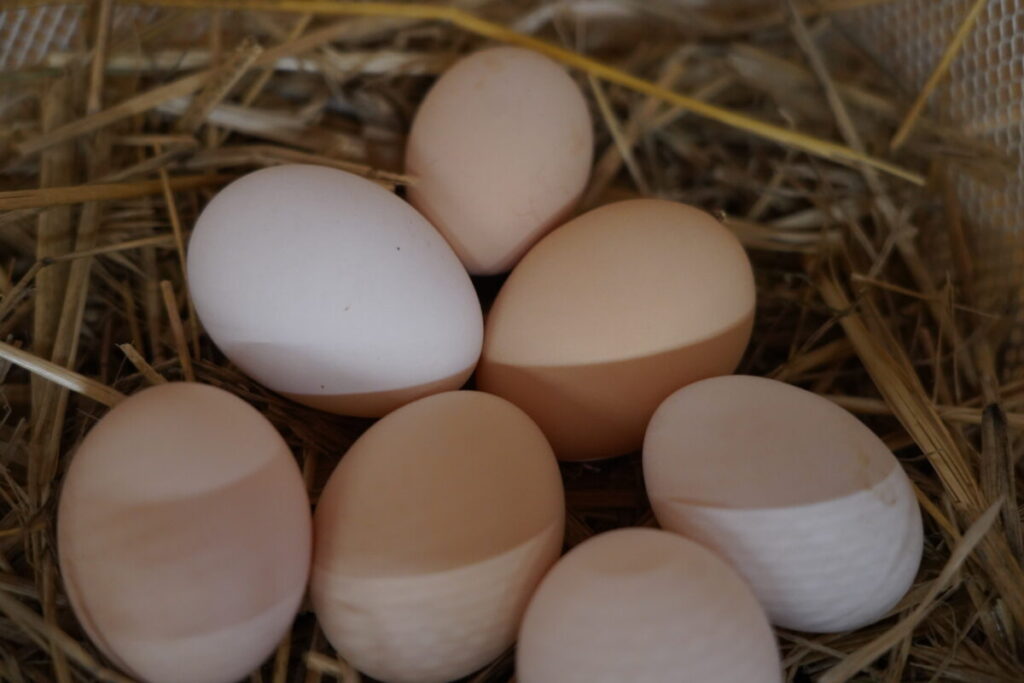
point(984, 95)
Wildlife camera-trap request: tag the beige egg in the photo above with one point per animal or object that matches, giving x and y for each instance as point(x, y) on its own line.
point(501, 148)
point(327, 288)
point(611, 313)
point(431, 535)
point(803, 499)
point(184, 535)
point(644, 606)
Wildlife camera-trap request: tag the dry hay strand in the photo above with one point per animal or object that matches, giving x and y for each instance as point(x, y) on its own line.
point(772, 120)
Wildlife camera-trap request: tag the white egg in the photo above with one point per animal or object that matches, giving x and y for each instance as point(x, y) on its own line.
point(803, 499)
point(327, 288)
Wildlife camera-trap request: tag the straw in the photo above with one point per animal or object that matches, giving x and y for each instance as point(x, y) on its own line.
point(766, 117)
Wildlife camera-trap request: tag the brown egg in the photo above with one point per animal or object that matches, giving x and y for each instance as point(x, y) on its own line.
point(610, 314)
point(431, 535)
point(184, 535)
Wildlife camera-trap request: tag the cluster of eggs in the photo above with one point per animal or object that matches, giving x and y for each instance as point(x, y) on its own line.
point(185, 537)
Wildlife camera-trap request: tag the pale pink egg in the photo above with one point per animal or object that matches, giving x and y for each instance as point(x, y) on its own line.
point(803, 499)
point(431, 535)
point(501, 150)
point(184, 535)
point(644, 606)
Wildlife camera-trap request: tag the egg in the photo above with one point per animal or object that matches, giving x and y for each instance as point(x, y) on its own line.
point(431, 534)
point(611, 313)
point(327, 288)
point(501, 149)
point(183, 535)
point(803, 499)
point(644, 606)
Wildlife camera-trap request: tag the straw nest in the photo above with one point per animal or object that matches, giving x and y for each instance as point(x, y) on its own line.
point(109, 150)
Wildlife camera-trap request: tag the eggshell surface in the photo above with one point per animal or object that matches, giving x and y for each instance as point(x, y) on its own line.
point(802, 498)
point(501, 149)
point(184, 535)
point(645, 606)
point(431, 534)
point(611, 313)
point(327, 288)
